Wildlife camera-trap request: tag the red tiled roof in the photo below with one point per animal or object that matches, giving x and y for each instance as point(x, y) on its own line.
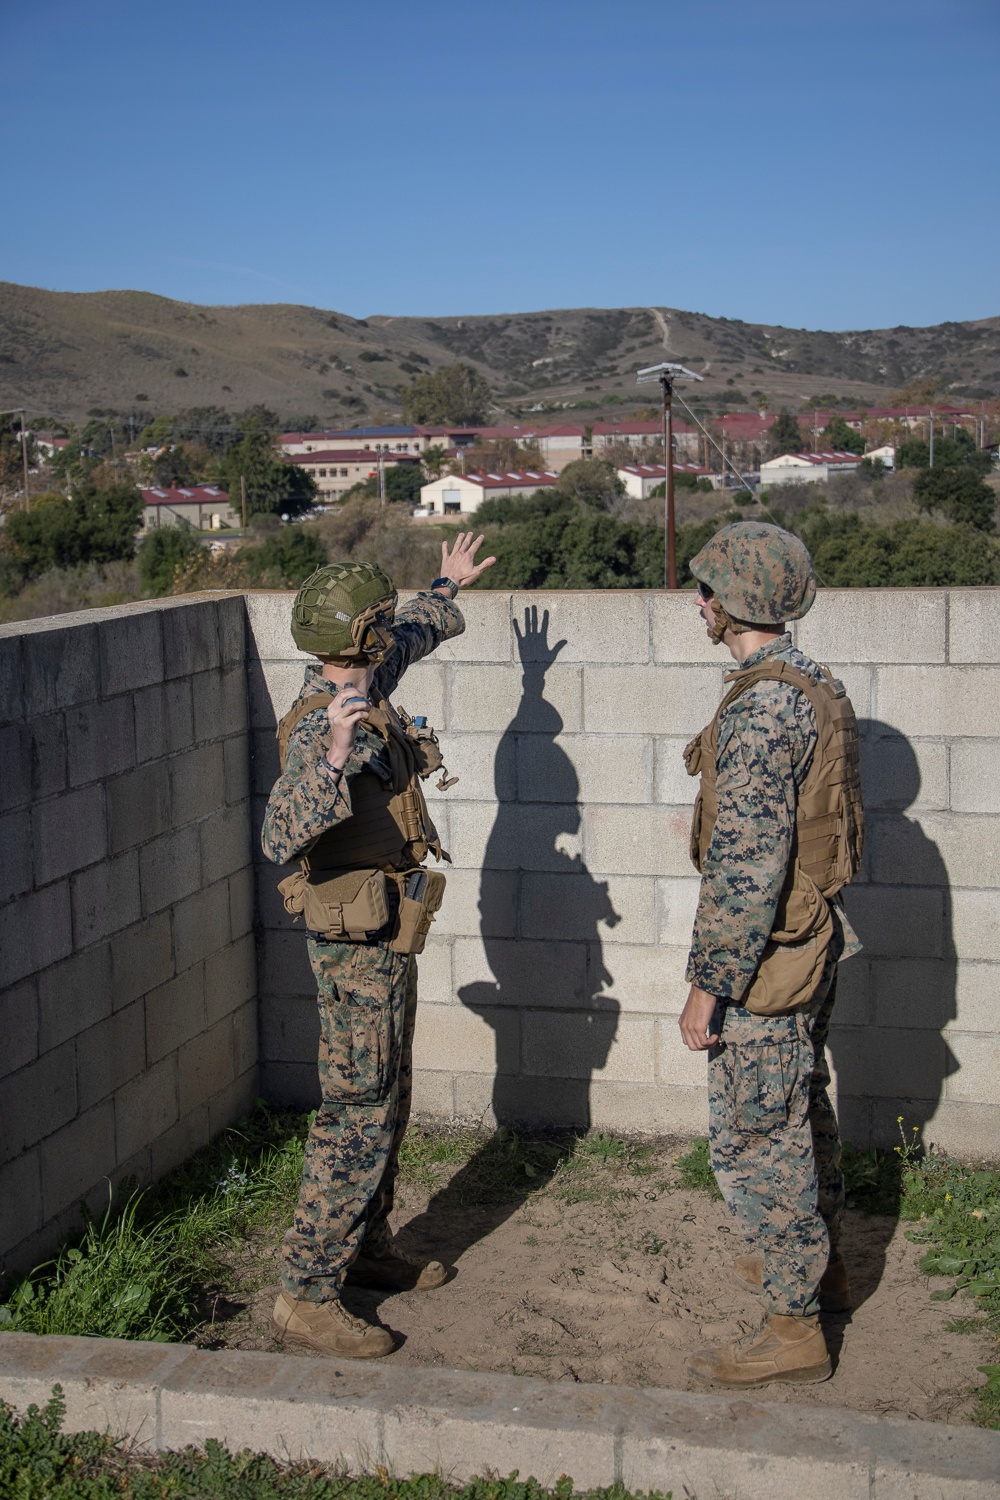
point(349, 456)
point(524, 477)
point(835, 457)
point(195, 494)
point(658, 471)
point(651, 426)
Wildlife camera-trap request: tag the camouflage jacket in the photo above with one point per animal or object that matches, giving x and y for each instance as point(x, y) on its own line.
point(767, 739)
point(307, 798)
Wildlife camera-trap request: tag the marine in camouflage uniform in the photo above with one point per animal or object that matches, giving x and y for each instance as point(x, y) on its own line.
point(775, 1142)
point(367, 1007)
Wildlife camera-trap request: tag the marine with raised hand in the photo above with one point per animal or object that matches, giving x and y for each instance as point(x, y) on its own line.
point(349, 806)
point(777, 833)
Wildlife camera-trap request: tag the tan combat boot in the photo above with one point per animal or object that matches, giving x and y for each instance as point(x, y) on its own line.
point(390, 1269)
point(834, 1289)
point(328, 1328)
point(783, 1348)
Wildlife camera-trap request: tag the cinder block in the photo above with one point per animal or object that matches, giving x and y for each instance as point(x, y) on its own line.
point(234, 1102)
point(273, 687)
point(283, 965)
point(180, 1142)
point(435, 982)
point(637, 840)
point(15, 841)
point(264, 767)
point(609, 626)
point(897, 921)
point(938, 700)
point(37, 1099)
point(509, 836)
point(169, 868)
point(585, 768)
point(60, 667)
point(679, 632)
point(958, 848)
point(101, 740)
point(230, 979)
point(18, 1026)
point(20, 1200)
point(232, 617)
point(220, 703)
point(241, 902)
point(676, 1066)
point(486, 636)
point(138, 805)
point(916, 992)
point(145, 1108)
point(164, 721)
point(141, 959)
point(648, 1109)
point(105, 898)
point(975, 1078)
point(580, 1044)
point(473, 1097)
point(870, 1062)
point(975, 776)
point(269, 619)
point(11, 678)
point(68, 833)
point(236, 752)
point(205, 1065)
point(77, 1158)
point(867, 625)
point(433, 1096)
point(901, 773)
point(35, 931)
point(110, 1053)
point(477, 902)
point(854, 1004)
point(197, 782)
point(457, 1040)
point(246, 1033)
point(15, 757)
point(639, 977)
point(131, 649)
point(503, 971)
point(976, 986)
point(973, 625)
point(225, 842)
point(289, 1031)
point(175, 1012)
point(423, 691)
point(672, 782)
point(45, 744)
point(498, 698)
point(676, 904)
point(579, 906)
point(964, 1130)
point(190, 637)
point(73, 995)
point(484, 764)
point(976, 923)
point(650, 700)
point(859, 684)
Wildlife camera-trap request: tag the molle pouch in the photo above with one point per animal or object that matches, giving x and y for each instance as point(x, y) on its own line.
point(420, 896)
point(427, 753)
point(346, 904)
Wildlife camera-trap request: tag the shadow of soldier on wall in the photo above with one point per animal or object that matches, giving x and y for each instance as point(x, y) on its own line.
point(888, 1041)
point(547, 1002)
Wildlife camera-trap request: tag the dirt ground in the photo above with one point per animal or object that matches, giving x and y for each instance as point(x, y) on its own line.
point(609, 1270)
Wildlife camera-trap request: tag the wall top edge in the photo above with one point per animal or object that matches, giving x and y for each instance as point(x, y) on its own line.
point(74, 619)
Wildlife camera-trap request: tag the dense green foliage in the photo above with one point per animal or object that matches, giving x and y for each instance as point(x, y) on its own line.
point(273, 485)
point(288, 556)
point(92, 526)
point(958, 493)
point(402, 483)
point(849, 552)
point(786, 435)
point(40, 1462)
point(162, 552)
point(454, 394)
point(842, 437)
point(948, 452)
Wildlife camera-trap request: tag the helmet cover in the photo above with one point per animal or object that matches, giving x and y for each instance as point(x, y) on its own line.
point(344, 610)
point(760, 574)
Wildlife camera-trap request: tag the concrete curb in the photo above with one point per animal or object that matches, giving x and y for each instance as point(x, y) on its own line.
point(461, 1423)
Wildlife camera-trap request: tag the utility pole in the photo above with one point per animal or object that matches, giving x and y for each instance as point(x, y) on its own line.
point(381, 477)
point(243, 500)
point(24, 457)
point(665, 375)
point(931, 415)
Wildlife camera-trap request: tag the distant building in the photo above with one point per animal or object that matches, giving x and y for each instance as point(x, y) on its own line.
point(807, 468)
point(203, 506)
point(641, 479)
point(463, 494)
point(336, 471)
point(643, 432)
point(886, 455)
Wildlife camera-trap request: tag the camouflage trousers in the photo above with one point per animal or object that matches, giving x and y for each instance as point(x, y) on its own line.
point(367, 1007)
point(775, 1142)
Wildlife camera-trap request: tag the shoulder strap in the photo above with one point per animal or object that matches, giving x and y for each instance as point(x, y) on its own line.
point(296, 713)
point(818, 693)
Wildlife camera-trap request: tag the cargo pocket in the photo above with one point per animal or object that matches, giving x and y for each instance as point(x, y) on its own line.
point(761, 1088)
point(356, 1035)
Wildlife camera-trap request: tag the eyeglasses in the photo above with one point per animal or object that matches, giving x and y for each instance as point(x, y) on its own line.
point(705, 590)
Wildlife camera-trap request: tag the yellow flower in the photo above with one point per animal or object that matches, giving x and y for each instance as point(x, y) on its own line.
point(947, 1197)
point(899, 1119)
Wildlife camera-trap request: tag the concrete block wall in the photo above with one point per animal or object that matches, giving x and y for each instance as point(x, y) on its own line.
point(128, 1020)
point(551, 986)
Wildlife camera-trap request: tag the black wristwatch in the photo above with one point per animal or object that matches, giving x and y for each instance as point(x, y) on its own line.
point(446, 583)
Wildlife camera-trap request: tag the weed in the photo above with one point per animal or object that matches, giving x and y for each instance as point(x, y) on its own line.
point(38, 1461)
point(696, 1169)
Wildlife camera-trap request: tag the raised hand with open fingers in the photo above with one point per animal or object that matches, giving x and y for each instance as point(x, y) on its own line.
point(459, 564)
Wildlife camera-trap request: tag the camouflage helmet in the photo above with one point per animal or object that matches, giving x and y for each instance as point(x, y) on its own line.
point(760, 574)
point(343, 610)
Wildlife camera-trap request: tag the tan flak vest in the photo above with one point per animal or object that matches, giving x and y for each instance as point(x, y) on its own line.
point(341, 887)
point(829, 834)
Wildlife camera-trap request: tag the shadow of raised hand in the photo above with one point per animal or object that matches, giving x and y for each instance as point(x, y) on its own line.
point(532, 646)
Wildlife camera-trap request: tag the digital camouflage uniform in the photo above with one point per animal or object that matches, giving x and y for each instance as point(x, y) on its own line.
point(367, 993)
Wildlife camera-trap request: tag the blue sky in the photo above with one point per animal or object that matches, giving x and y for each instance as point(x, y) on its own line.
point(775, 160)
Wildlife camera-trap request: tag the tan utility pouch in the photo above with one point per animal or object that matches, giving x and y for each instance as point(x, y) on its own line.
point(349, 904)
point(420, 896)
point(791, 966)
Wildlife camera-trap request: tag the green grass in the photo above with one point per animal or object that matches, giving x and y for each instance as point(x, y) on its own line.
point(38, 1461)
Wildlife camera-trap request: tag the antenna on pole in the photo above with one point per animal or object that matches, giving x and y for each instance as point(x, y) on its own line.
point(665, 374)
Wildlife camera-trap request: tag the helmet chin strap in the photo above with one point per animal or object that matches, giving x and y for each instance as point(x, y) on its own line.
point(723, 622)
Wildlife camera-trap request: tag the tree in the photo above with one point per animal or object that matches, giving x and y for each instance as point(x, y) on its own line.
point(455, 394)
point(433, 459)
point(842, 437)
point(272, 483)
point(957, 492)
point(92, 526)
point(785, 436)
point(162, 553)
point(287, 557)
point(591, 481)
point(849, 552)
point(173, 466)
point(960, 449)
point(503, 455)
